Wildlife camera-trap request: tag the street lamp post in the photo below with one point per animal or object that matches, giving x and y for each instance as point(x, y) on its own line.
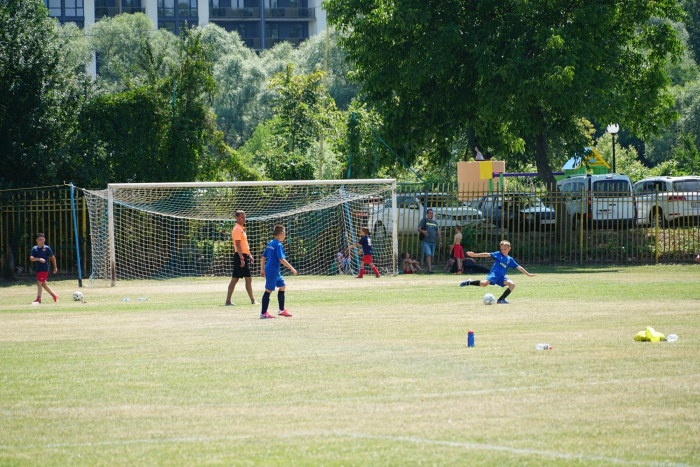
point(613, 128)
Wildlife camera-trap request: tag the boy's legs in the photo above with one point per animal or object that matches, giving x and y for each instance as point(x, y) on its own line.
point(362, 270)
point(502, 298)
point(280, 299)
point(374, 269)
point(459, 265)
point(46, 287)
point(265, 304)
point(38, 290)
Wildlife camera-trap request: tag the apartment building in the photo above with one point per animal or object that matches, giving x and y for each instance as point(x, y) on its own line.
point(260, 23)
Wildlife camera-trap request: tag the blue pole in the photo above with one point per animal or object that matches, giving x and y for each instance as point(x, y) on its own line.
point(75, 228)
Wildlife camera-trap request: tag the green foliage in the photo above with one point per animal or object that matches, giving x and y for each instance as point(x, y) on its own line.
point(42, 87)
point(517, 72)
point(161, 130)
point(122, 44)
point(692, 24)
point(687, 156)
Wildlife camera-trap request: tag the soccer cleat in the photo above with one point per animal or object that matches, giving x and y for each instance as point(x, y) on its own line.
point(255, 302)
point(267, 315)
point(229, 304)
point(55, 298)
point(36, 302)
point(502, 302)
point(284, 313)
point(465, 283)
point(359, 277)
point(377, 276)
point(457, 273)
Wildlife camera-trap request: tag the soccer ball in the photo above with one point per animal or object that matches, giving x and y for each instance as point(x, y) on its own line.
point(78, 296)
point(489, 299)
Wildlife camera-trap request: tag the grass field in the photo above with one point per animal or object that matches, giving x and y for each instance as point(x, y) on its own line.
point(370, 372)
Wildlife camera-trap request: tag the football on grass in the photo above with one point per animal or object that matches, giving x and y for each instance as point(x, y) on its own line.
point(77, 296)
point(489, 299)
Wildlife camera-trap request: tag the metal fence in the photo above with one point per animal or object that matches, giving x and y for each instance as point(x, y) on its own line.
point(24, 213)
point(549, 229)
point(552, 228)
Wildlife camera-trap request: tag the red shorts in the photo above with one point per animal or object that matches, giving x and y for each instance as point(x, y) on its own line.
point(458, 252)
point(367, 259)
point(42, 276)
point(407, 271)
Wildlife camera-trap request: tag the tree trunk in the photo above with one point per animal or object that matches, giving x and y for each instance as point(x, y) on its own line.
point(541, 159)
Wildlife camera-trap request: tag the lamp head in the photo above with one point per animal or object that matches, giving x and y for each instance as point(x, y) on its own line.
point(613, 128)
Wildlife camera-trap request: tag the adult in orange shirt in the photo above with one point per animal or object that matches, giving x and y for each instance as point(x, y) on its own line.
point(242, 259)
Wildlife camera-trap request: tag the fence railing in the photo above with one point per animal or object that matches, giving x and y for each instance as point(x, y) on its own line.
point(543, 228)
point(552, 228)
point(24, 213)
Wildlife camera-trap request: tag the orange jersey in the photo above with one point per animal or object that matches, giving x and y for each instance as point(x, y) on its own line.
point(238, 233)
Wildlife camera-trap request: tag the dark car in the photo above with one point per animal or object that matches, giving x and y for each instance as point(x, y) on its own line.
point(524, 211)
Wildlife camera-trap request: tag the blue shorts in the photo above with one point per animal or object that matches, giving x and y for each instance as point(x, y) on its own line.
point(496, 280)
point(429, 249)
point(272, 281)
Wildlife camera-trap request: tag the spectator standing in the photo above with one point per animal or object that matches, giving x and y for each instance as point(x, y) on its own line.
point(431, 231)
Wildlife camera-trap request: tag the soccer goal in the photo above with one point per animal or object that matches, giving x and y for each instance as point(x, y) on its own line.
point(161, 231)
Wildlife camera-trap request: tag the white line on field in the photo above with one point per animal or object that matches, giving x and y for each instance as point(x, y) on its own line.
point(401, 439)
point(492, 447)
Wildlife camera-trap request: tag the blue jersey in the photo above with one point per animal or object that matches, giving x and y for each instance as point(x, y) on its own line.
point(501, 265)
point(366, 243)
point(46, 252)
point(274, 253)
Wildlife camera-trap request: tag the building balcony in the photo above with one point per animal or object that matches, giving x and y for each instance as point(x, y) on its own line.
point(183, 12)
point(111, 11)
point(290, 13)
point(254, 43)
point(295, 41)
point(226, 13)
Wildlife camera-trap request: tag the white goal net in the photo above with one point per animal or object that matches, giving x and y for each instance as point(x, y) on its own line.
point(159, 231)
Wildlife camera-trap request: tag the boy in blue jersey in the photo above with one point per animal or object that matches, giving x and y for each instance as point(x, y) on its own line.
point(497, 276)
point(272, 258)
point(366, 244)
point(41, 255)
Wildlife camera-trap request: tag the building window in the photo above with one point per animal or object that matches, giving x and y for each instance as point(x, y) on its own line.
point(168, 25)
point(54, 7)
point(295, 31)
point(272, 31)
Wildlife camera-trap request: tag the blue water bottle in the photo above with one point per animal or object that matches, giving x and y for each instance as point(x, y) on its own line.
point(470, 339)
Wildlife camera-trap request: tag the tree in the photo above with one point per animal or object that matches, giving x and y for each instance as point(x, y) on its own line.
point(517, 72)
point(42, 88)
point(120, 44)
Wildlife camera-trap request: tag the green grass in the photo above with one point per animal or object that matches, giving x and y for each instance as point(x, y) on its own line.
point(370, 372)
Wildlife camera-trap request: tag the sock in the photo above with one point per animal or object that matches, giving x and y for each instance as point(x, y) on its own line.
point(265, 302)
point(475, 282)
point(362, 272)
point(505, 294)
point(375, 270)
point(280, 299)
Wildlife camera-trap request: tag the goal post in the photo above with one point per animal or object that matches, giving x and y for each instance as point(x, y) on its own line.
point(157, 231)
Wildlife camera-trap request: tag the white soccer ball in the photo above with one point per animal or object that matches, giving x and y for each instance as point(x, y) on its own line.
point(489, 299)
point(78, 296)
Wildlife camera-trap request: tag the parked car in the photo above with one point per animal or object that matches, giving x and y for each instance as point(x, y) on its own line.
point(668, 199)
point(603, 200)
point(520, 211)
point(411, 210)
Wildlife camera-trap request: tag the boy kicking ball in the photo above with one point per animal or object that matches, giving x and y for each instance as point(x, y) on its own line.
point(272, 257)
point(497, 276)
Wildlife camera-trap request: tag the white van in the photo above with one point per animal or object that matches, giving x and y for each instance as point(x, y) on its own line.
point(599, 200)
point(672, 198)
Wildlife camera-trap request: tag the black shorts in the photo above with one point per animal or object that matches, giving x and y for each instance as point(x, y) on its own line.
point(241, 270)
